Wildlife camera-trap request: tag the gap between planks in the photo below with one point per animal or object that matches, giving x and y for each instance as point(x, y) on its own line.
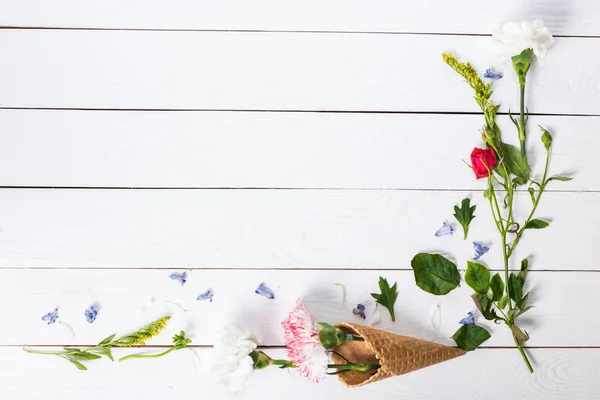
point(338, 32)
point(284, 111)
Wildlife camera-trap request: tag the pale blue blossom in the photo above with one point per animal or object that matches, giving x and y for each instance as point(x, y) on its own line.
point(208, 295)
point(181, 277)
point(491, 75)
point(468, 320)
point(360, 310)
point(90, 314)
point(446, 229)
point(264, 291)
point(480, 250)
point(51, 317)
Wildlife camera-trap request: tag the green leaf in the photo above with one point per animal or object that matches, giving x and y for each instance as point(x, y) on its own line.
point(532, 194)
point(515, 291)
point(523, 311)
point(469, 337)
point(464, 215)
point(521, 303)
point(71, 349)
point(106, 340)
point(79, 365)
point(85, 356)
point(497, 286)
point(546, 138)
point(560, 178)
point(484, 305)
point(515, 163)
point(523, 273)
point(536, 224)
point(388, 296)
point(106, 352)
point(434, 273)
point(487, 193)
point(477, 277)
point(503, 302)
point(519, 334)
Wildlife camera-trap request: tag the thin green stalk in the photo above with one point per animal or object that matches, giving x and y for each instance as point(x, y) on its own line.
point(520, 347)
point(164, 353)
point(535, 205)
point(522, 127)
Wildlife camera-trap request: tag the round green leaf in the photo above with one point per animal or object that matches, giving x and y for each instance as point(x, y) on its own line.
point(478, 277)
point(435, 273)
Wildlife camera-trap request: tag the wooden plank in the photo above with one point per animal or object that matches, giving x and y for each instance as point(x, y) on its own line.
point(575, 17)
point(128, 299)
point(267, 228)
point(275, 71)
point(562, 374)
point(282, 150)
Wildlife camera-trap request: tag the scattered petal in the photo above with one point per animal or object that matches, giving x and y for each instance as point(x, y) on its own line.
point(480, 250)
point(342, 293)
point(208, 295)
point(264, 291)
point(360, 310)
point(446, 229)
point(173, 307)
point(51, 317)
point(91, 314)
point(375, 317)
point(436, 318)
point(491, 75)
point(468, 320)
point(68, 328)
point(197, 359)
point(181, 277)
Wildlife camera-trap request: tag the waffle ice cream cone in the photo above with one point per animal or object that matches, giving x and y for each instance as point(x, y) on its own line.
point(396, 354)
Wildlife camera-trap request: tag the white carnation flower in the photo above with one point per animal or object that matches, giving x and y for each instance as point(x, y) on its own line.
point(232, 364)
point(514, 37)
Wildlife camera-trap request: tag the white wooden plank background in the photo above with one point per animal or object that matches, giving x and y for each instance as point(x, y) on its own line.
point(564, 17)
point(223, 149)
point(276, 71)
point(139, 137)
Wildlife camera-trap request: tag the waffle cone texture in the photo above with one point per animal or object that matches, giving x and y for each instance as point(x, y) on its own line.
point(396, 354)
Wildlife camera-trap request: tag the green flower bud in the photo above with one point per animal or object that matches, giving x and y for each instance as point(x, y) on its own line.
point(521, 64)
point(260, 360)
point(330, 336)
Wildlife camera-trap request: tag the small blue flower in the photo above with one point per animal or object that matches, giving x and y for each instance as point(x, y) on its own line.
point(208, 295)
point(491, 75)
point(51, 317)
point(446, 229)
point(181, 277)
point(90, 314)
point(360, 310)
point(264, 291)
point(468, 320)
point(479, 250)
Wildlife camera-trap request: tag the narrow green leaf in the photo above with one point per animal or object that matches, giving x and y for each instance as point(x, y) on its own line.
point(388, 296)
point(521, 303)
point(434, 273)
point(477, 277)
point(523, 311)
point(515, 163)
point(515, 291)
point(531, 193)
point(85, 356)
point(79, 365)
point(560, 178)
point(71, 349)
point(536, 224)
point(469, 337)
point(523, 273)
point(497, 286)
point(503, 302)
point(106, 340)
point(106, 352)
point(464, 215)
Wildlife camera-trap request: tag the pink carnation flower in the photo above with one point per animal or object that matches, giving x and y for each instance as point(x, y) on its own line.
point(302, 341)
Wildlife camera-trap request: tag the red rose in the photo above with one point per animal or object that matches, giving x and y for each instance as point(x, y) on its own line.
point(480, 158)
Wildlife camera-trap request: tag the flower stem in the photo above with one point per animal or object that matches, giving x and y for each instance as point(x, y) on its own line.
point(520, 347)
point(164, 353)
point(522, 124)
